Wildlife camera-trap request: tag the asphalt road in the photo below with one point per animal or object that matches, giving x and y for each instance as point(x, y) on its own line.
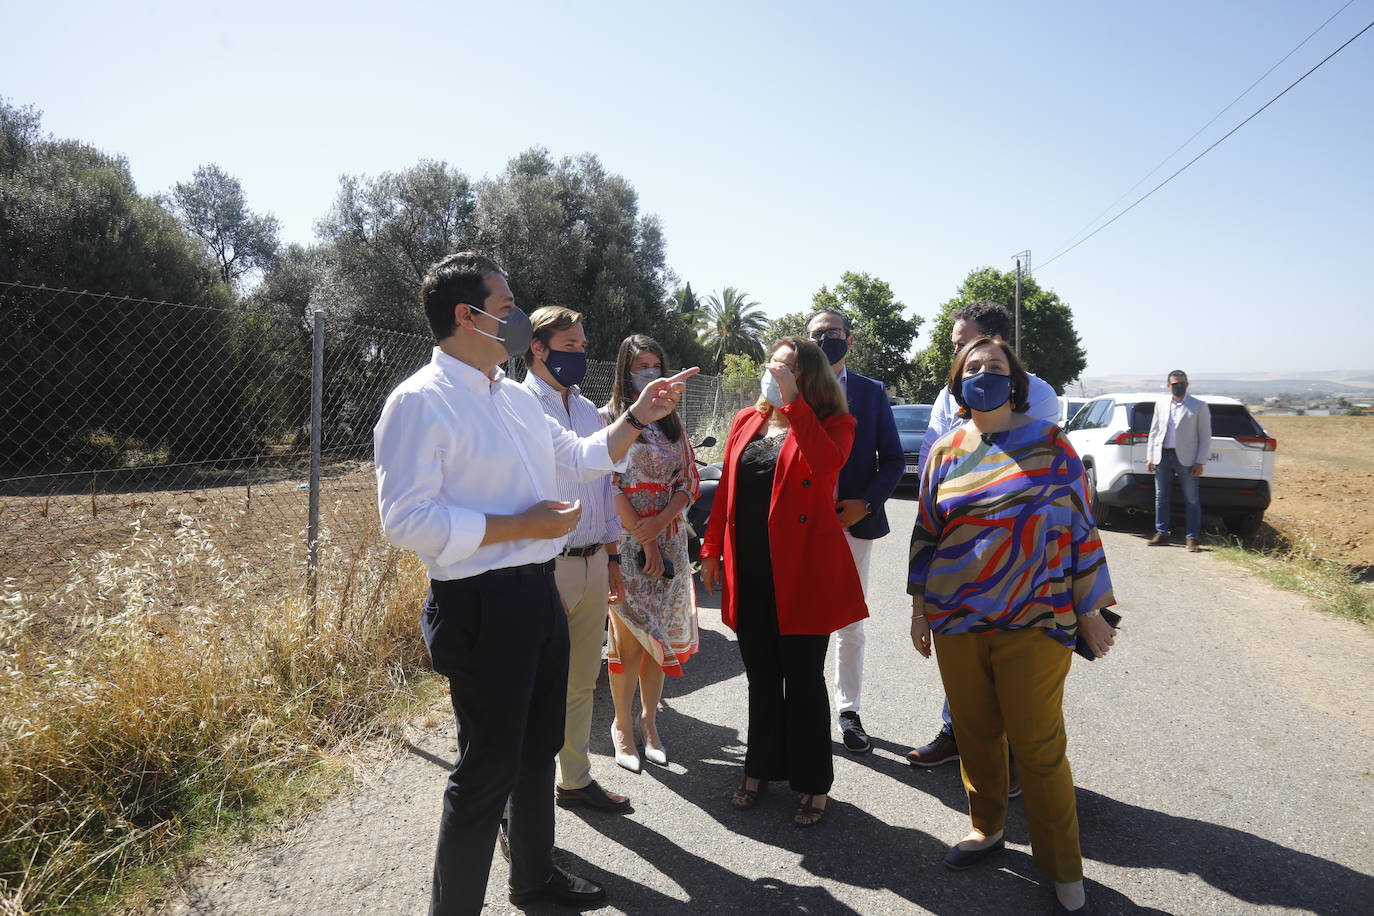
point(1224, 757)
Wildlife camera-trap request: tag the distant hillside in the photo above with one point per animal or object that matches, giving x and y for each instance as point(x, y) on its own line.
point(1314, 385)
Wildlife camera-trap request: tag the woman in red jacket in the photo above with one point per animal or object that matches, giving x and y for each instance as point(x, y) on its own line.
point(789, 578)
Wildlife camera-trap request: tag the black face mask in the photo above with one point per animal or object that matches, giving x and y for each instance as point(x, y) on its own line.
point(1178, 388)
point(834, 348)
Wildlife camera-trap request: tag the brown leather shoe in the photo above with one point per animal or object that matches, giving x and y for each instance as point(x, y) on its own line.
point(1159, 540)
point(941, 750)
point(1194, 546)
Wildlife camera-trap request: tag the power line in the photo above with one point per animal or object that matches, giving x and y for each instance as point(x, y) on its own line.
point(1208, 149)
point(1107, 209)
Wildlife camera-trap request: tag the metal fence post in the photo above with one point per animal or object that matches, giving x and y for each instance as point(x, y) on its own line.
point(316, 435)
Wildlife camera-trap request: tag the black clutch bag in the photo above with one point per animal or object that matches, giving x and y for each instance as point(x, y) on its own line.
point(668, 569)
point(1113, 620)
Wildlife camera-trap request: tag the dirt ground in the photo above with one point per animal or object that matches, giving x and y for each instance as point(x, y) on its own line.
point(1324, 484)
point(260, 531)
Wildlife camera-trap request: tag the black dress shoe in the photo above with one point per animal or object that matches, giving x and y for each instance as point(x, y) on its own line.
point(562, 888)
point(589, 796)
point(960, 859)
point(856, 740)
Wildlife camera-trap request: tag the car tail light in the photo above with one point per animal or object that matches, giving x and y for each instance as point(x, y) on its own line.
point(1269, 445)
point(1127, 438)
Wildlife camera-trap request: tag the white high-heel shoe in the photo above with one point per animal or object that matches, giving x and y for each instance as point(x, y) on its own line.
point(655, 754)
point(627, 761)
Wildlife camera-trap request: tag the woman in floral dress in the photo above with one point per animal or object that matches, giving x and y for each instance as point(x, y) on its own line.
point(653, 626)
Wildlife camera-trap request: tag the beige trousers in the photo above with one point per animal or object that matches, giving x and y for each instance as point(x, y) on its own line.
point(582, 583)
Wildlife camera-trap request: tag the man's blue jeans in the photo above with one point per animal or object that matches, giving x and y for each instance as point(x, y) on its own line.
point(1165, 471)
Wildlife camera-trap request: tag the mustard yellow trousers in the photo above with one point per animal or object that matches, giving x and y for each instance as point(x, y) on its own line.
point(1009, 687)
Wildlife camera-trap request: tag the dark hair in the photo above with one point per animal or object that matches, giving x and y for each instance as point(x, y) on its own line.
point(992, 319)
point(459, 279)
point(623, 393)
point(1176, 372)
point(1020, 381)
point(545, 322)
point(829, 311)
point(816, 381)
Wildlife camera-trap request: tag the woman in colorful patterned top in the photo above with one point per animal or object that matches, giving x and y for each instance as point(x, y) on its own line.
point(1007, 570)
point(653, 626)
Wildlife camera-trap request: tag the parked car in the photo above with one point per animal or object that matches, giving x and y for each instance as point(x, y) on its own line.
point(912, 422)
point(1111, 433)
point(1068, 409)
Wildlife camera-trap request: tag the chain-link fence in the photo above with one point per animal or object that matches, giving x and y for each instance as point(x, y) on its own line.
point(127, 424)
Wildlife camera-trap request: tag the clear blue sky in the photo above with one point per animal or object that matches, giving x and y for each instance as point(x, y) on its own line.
point(783, 144)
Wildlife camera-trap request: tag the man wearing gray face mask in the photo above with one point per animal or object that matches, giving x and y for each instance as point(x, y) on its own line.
point(467, 467)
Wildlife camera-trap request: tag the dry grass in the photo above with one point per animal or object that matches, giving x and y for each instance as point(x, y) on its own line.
point(1298, 568)
point(131, 738)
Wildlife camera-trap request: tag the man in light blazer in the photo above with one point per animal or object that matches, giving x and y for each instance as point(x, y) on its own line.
point(1180, 440)
point(868, 478)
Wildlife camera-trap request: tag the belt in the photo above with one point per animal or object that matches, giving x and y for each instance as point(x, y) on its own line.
point(580, 551)
point(528, 569)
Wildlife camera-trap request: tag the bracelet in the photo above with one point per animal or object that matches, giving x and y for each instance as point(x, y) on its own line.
point(633, 421)
point(1095, 612)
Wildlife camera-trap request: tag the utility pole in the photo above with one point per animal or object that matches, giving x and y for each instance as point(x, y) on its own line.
point(1025, 255)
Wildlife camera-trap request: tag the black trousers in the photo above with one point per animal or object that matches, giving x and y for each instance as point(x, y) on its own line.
point(502, 641)
point(789, 703)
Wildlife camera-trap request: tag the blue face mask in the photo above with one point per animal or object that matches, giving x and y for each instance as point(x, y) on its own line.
point(986, 392)
point(768, 387)
point(567, 367)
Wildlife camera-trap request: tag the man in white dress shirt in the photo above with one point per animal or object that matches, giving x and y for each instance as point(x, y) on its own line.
point(978, 319)
point(1180, 440)
point(588, 569)
point(467, 467)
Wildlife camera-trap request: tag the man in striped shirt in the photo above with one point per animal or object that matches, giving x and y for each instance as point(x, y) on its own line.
point(588, 569)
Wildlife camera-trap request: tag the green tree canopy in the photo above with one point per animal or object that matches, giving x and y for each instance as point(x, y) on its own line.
point(383, 233)
point(793, 324)
point(1050, 346)
point(214, 209)
point(567, 231)
point(147, 375)
point(734, 324)
point(570, 233)
point(882, 336)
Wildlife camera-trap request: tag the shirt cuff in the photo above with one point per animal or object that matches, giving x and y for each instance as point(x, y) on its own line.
point(466, 528)
point(598, 452)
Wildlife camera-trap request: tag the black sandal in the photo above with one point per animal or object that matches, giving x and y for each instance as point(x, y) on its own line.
point(808, 815)
point(746, 798)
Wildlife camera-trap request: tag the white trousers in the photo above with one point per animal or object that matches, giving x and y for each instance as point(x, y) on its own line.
point(849, 641)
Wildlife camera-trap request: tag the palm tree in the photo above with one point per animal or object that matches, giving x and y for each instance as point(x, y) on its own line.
point(734, 324)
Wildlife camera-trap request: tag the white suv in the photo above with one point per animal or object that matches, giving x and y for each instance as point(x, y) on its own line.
point(1110, 434)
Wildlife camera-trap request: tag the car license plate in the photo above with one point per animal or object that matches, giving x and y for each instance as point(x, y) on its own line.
point(911, 469)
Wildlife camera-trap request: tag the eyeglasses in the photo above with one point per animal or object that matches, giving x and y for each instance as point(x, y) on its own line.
point(828, 333)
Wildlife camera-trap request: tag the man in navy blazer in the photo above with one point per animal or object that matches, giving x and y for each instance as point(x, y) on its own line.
point(868, 478)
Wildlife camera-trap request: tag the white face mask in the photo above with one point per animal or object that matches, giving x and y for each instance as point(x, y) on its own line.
point(644, 376)
point(768, 387)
